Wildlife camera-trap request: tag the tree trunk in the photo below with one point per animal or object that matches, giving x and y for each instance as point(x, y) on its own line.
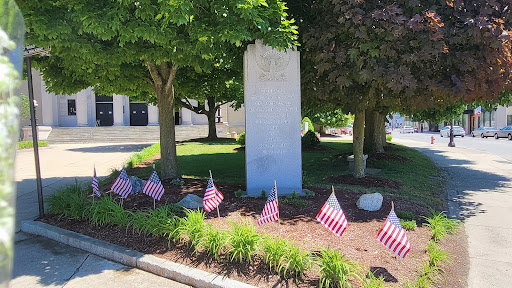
point(358, 143)
point(168, 158)
point(162, 83)
point(212, 111)
point(374, 132)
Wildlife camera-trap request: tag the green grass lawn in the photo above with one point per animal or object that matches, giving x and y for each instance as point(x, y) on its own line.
point(420, 177)
point(30, 144)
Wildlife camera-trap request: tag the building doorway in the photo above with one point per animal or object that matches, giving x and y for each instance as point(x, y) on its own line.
point(138, 114)
point(104, 110)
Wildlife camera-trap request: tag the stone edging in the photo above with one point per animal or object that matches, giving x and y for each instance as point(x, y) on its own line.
point(161, 267)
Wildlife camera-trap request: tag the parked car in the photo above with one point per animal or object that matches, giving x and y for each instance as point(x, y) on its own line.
point(457, 131)
point(407, 129)
point(505, 132)
point(484, 132)
point(389, 130)
point(347, 130)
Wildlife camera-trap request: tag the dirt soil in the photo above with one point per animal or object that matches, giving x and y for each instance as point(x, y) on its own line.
point(297, 224)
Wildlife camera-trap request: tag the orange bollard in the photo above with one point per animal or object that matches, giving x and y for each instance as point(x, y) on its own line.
point(432, 140)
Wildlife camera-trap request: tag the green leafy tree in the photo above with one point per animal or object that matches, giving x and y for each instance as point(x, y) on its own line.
point(331, 118)
point(136, 48)
point(378, 55)
point(221, 86)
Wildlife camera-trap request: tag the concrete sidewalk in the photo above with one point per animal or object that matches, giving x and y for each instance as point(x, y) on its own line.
point(480, 195)
point(41, 262)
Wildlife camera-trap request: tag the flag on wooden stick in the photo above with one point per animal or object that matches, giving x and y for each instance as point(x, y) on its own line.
point(122, 185)
point(153, 187)
point(94, 184)
point(332, 216)
point(212, 196)
point(271, 210)
point(392, 235)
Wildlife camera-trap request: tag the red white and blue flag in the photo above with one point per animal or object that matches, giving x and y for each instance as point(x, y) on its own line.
point(212, 196)
point(122, 185)
point(94, 184)
point(271, 210)
point(392, 235)
point(332, 216)
point(153, 187)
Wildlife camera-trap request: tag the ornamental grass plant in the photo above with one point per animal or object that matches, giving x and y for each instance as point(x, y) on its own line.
point(214, 242)
point(106, 211)
point(335, 269)
point(193, 227)
point(295, 262)
point(243, 241)
point(70, 201)
point(273, 251)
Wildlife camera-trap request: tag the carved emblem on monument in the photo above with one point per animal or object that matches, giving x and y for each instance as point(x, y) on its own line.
point(272, 62)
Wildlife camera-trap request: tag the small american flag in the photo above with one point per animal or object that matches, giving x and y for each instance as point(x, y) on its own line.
point(332, 216)
point(392, 235)
point(122, 185)
point(212, 196)
point(153, 187)
point(94, 184)
point(271, 209)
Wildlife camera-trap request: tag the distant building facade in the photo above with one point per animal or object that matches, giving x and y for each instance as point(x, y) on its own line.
point(86, 108)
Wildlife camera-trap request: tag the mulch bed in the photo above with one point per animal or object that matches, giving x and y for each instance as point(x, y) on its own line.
point(367, 181)
point(297, 224)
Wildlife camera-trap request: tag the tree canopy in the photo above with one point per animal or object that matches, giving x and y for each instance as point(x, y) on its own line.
point(136, 48)
point(420, 54)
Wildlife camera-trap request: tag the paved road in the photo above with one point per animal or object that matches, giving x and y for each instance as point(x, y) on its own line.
point(480, 194)
point(40, 262)
point(501, 147)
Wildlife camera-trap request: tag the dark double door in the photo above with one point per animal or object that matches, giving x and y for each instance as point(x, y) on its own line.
point(138, 114)
point(104, 114)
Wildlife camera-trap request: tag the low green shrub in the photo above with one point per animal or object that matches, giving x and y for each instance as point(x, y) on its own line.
point(69, 201)
point(334, 268)
point(295, 262)
point(263, 194)
point(389, 138)
point(243, 242)
point(274, 249)
point(239, 193)
point(440, 225)
point(408, 225)
point(240, 139)
point(294, 199)
point(309, 140)
point(106, 211)
point(178, 182)
point(406, 215)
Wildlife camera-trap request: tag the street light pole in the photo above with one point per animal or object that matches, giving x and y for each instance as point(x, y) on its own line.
point(34, 137)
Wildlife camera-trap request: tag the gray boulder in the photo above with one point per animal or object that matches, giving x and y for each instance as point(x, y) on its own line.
point(137, 184)
point(191, 201)
point(370, 202)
